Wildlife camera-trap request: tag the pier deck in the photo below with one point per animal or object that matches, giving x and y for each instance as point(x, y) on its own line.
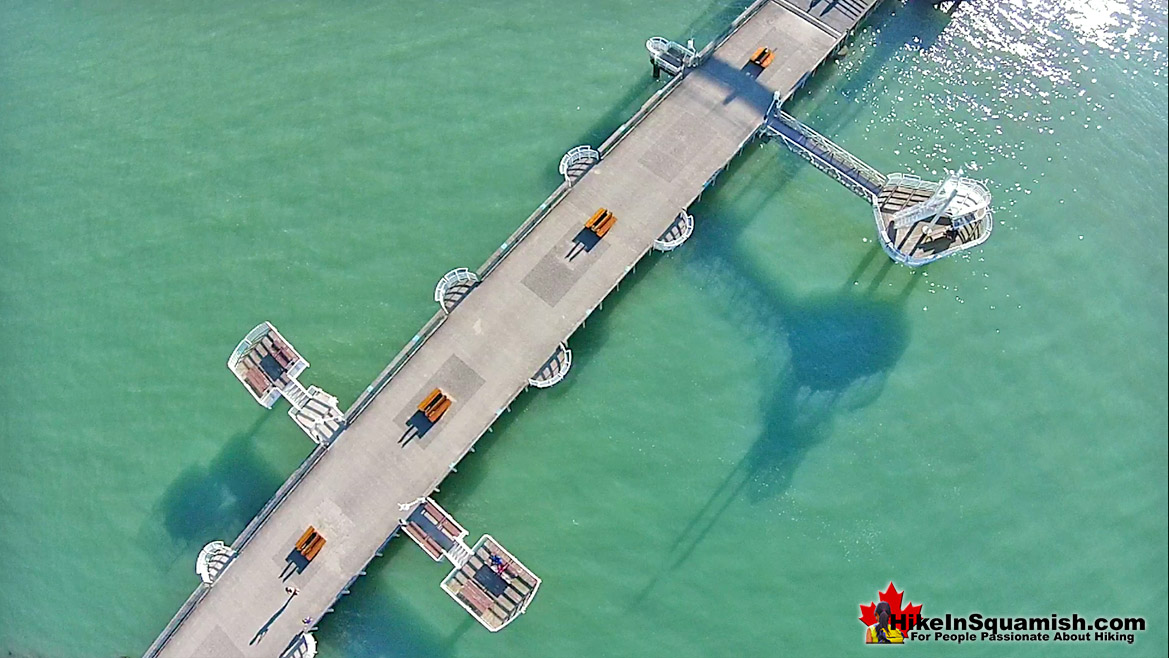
point(499, 335)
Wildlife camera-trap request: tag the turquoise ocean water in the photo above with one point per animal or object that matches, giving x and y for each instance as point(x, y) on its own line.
point(759, 432)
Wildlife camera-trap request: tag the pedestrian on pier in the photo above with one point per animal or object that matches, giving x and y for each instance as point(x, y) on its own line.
point(292, 591)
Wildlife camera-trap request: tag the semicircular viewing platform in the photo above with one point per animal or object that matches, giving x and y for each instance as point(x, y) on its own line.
point(554, 369)
point(680, 231)
point(917, 221)
point(577, 162)
point(454, 286)
point(921, 221)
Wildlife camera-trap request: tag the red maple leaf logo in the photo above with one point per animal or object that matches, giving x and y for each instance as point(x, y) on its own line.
point(893, 598)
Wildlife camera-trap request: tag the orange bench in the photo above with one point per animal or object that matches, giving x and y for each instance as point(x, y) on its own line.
point(606, 225)
point(310, 543)
point(315, 547)
point(439, 409)
point(433, 406)
point(601, 222)
point(430, 400)
point(763, 57)
point(305, 538)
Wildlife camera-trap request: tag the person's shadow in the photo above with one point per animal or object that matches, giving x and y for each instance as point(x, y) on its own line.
point(259, 636)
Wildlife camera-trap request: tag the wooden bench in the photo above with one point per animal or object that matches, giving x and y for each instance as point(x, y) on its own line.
point(313, 548)
point(763, 57)
point(441, 521)
point(310, 543)
point(432, 515)
point(280, 345)
point(304, 540)
point(596, 219)
point(435, 548)
point(477, 599)
point(435, 404)
point(281, 358)
point(437, 411)
point(424, 541)
point(605, 225)
point(430, 400)
point(601, 222)
point(256, 380)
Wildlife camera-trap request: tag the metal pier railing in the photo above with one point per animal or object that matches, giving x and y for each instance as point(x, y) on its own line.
point(827, 156)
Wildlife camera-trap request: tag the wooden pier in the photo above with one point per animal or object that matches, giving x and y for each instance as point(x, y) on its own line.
point(492, 339)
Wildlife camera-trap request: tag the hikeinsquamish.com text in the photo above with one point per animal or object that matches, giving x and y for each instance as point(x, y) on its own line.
point(977, 627)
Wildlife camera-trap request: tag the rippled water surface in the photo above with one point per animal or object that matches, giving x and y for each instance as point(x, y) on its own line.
point(759, 431)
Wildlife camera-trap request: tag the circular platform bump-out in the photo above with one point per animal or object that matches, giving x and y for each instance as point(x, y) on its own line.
point(554, 369)
point(677, 233)
point(576, 163)
point(305, 646)
point(454, 286)
point(212, 560)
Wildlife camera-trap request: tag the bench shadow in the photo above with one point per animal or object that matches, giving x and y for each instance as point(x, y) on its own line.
point(294, 563)
point(416, 427)
point(751, 70)
point(582, 243)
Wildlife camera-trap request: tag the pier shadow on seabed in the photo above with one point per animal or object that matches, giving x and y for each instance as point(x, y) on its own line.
point(216, 500)
point(822, 354)
point(375, 622)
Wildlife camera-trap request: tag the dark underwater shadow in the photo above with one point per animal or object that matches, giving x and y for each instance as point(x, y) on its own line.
point(374, 622)
point(819, 355)
point(840, 350)
point(833, 350)
point(216, 500)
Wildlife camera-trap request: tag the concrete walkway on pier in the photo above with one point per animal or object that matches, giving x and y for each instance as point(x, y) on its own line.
point(502, 333)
